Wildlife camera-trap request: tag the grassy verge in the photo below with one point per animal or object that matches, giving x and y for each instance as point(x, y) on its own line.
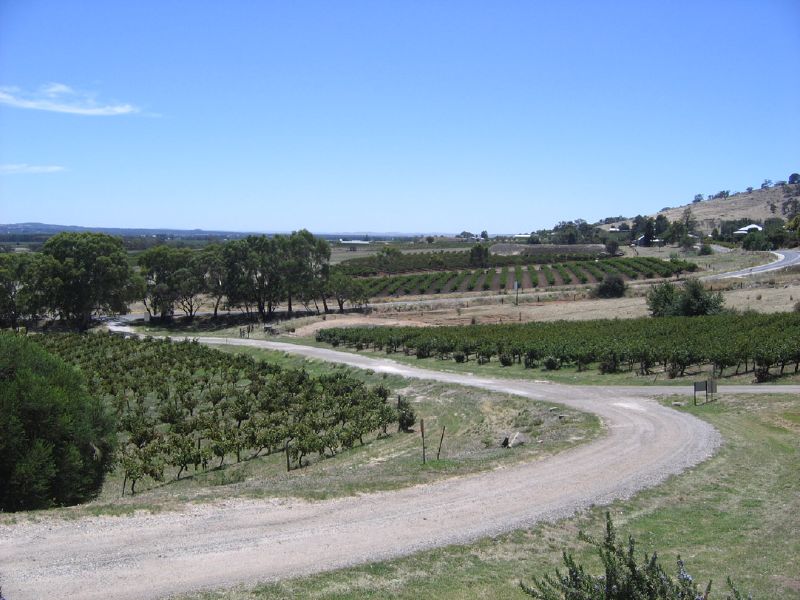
point(737, 514)
point(475, 421)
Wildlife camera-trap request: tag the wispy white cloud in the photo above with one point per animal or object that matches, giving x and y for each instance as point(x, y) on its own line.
point(23, 169)
point(61, 98)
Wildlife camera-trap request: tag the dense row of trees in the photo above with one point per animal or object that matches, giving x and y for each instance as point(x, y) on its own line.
point(78, 275)
point(257, 274)
point(74, 276)
point(183, 406)
point(750, 342)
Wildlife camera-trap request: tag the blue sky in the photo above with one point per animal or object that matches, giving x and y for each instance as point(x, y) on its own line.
point(389, 116)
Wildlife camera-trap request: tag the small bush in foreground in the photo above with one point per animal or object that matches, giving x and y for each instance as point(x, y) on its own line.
point(624, 578)
point(405, 415)
point(57, 441)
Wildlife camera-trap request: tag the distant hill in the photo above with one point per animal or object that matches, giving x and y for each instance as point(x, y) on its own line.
point(45, 230)
point(48, 229)
point(777, 201)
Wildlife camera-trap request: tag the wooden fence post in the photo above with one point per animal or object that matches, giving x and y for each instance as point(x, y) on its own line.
point(422, 428)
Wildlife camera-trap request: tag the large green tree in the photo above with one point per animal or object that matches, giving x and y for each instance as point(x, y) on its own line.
point(215, 275)
point(90, 275)
point(56, 442)
point(160, 266)
point(254, 274)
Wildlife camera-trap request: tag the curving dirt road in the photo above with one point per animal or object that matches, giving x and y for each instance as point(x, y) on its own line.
point(783, 260)
point(248, 541)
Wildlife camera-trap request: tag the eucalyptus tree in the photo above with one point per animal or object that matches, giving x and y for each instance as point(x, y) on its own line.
point(21, 294)
point(254, 273)
point(215, 274)
point(90, 274)
point(159, 266)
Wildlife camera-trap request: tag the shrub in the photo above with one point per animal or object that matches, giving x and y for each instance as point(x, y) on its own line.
point(506, 359)
point(612, 286)
point(609, 362)
point(705, 250)
point(665, 300)
point(625, 576)
point(57, 442)
point(755, 240)
point(405, 415)
point(551, 363)
point(661, 299)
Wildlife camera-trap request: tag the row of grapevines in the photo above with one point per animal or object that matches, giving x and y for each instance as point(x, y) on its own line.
point(571, 272)
point(757, 342)
point(443, 261)
point(577, 271)
point(548, 275)
point(182, 405)
point(563, 273)
point(503, 278)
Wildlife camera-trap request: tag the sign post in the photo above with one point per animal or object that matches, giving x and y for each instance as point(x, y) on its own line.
point(700, 386)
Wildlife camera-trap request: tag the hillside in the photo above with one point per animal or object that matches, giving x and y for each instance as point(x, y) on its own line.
point(777, 201)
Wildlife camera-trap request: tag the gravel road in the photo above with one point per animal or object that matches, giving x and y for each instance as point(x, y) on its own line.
point(247, 541)
point(783, 260)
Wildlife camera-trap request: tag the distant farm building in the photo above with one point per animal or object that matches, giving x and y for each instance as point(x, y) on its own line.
point(353, 244)
point(748, 228)
point(653, 242)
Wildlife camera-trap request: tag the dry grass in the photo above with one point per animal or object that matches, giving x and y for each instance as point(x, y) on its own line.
point(733, 515)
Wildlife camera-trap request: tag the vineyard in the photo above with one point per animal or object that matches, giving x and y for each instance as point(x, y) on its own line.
point(183, 406)
point(528, 276)
point(763, 344)
point(397, 263)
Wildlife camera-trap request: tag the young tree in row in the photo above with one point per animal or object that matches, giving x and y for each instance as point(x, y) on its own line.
point(344, 288)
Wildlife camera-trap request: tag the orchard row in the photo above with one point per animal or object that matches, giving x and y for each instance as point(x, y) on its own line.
point(527, 277)
point(182, 406)
point(765, 344)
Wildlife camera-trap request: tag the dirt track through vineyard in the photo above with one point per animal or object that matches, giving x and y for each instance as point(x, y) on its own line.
point(247, 541)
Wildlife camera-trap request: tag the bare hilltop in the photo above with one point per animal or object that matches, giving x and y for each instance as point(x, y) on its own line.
point(780, 200)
